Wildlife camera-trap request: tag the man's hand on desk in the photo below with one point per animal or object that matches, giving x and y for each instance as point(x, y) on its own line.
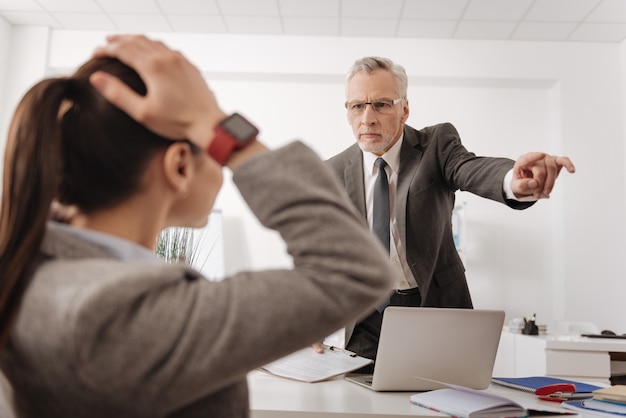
point(318, 348)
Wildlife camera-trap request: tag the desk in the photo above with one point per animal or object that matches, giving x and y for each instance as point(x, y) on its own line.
point(570, 357)
point(275, 397)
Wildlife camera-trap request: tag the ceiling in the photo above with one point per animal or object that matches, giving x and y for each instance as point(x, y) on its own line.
point(528, 20)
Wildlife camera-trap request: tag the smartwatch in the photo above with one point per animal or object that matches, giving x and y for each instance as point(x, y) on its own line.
point(232, 133)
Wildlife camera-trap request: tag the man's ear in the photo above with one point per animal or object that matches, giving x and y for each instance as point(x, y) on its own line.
point(178, 168)
point(405, 109)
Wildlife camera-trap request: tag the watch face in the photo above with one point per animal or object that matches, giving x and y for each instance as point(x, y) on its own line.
point(239, 128)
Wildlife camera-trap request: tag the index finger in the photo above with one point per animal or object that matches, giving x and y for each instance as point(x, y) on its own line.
point(530, 158)
point(117, 93)
point(567, 163)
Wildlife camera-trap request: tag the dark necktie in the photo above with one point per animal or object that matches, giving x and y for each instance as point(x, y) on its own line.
point(381, 204)
point(381, 212)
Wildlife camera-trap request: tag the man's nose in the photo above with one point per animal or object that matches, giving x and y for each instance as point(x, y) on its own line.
point(369, 115)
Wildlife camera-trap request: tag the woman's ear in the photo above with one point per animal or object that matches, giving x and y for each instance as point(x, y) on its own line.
point(178, 168)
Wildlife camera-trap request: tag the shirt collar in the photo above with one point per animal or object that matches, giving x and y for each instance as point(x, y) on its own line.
point(114, 246)
point(391, 157)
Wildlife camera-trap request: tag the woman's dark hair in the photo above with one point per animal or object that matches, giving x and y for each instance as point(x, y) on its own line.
point(65, 143)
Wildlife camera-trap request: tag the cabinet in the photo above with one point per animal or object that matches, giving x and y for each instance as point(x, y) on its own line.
point(570, 357)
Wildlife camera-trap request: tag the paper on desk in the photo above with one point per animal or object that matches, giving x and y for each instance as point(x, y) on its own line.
point(616, 393)
point(466, 402)
point(308, 366)
point(463, 402)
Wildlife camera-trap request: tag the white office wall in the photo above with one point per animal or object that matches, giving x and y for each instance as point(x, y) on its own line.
point(623, 96)
point(562, 259)
point(24, 51)
point(5, 39)
point(26, 62)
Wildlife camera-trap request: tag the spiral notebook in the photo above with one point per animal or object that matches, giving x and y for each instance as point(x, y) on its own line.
point(532, 383)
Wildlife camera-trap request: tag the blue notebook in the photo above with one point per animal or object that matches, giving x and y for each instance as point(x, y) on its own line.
point(530, 384)
point(597, 408)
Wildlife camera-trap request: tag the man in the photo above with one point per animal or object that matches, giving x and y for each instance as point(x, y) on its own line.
point(423, 169)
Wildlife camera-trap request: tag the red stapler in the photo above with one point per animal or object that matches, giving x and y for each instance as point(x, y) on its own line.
point(558, 392)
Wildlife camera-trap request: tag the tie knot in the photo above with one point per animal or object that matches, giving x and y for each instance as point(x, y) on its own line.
point(380, 163)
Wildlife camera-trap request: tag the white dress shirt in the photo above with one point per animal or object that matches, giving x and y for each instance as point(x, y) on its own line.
point(405, 279)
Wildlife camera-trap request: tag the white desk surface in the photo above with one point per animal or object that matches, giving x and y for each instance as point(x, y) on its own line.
point(586, 344)
point(574, 342)
point(275, 397)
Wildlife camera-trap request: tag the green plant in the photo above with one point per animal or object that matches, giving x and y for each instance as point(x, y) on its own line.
point(201, 248)
point(176, 245)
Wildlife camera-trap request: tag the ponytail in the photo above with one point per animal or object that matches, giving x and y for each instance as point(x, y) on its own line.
point(83, 152)
point(32, 168)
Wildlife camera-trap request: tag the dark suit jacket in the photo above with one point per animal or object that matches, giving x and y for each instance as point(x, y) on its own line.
point(433, 165)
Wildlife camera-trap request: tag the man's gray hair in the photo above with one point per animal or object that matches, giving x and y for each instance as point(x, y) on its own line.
point(371, 64)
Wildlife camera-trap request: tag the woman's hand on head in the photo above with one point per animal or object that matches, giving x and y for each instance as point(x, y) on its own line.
point(178, 103)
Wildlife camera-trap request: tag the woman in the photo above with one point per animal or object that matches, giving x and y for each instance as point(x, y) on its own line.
point(90, 323)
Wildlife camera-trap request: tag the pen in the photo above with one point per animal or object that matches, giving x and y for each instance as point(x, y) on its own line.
point(341, 350)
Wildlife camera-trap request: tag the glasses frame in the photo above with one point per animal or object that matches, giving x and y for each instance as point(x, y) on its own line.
point(364, 104)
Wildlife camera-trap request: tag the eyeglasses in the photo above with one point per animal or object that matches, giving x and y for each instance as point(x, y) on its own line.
point(383, 106)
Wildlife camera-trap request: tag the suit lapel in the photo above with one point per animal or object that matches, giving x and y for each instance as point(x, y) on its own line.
point(410, 156)
point(353, 179)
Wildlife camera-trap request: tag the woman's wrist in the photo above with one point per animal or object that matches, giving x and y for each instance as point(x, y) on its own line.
point(202, 132)
point(233, 133)
point(240, 156)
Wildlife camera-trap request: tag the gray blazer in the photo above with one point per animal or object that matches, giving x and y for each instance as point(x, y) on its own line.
point(103, 337)
point(433, 165)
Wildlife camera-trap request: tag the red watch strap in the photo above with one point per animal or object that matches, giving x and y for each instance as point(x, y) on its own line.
point(222, 145)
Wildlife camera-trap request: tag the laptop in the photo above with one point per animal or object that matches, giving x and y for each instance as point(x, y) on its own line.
point(446, 345)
